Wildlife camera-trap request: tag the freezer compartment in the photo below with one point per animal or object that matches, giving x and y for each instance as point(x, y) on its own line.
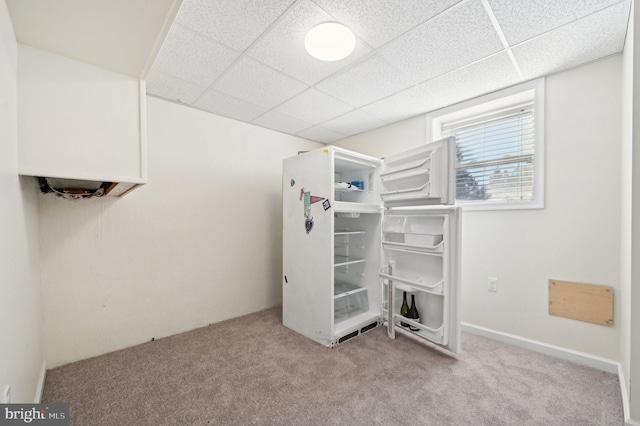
point(349, 301)
point(355, 179)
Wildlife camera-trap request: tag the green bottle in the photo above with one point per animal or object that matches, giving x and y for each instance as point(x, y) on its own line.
point(413, 313)
point(404, 310)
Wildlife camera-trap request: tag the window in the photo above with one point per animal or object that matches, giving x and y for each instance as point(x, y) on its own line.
point(499, 147)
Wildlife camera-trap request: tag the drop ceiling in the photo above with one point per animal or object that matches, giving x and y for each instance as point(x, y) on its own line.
point(245, 59)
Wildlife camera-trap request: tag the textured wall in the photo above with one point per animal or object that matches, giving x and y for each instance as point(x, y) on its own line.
point(20, 347)
point(200, 243)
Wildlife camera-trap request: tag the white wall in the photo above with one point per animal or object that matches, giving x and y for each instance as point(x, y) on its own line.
point(626, 167)
point(576, 237)
point(631, 220)
point(200, 243)
point(21, 349)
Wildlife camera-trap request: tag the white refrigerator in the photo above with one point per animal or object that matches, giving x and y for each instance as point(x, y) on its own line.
point(359, 232)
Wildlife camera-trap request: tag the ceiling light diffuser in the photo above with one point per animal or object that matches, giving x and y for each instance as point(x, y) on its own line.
point(330, 41)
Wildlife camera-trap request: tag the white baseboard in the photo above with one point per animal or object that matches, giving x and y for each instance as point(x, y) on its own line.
point(40, 387)
point(581, 358)
point(625, 398)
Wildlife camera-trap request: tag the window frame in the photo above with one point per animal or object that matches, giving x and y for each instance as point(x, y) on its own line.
point(538, 110)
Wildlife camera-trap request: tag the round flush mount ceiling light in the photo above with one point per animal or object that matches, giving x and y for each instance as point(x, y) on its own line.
point(330, 41)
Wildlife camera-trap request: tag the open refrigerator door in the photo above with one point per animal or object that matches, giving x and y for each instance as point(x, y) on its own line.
point(421, 245)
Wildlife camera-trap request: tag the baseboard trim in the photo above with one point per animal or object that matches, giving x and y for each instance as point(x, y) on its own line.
point(581, 358)
point(40, 387)
point(625, 397)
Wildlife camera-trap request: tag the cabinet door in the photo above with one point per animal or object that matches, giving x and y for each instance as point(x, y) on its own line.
point(308, 228)
point(422, 258)
point(421, 176)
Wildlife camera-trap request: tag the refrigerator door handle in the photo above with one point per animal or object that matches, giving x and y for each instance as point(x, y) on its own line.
point(390, 323)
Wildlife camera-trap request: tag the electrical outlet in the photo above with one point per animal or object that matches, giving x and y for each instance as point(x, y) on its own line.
point(6, 395)
point(493, 284)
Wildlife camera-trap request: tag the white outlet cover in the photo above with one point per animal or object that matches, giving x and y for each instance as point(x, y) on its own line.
point(492, 284)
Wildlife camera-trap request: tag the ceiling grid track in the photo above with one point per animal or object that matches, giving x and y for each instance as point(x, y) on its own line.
point(503, 39)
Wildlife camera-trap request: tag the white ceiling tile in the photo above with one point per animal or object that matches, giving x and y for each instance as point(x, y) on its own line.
point(320, 134)
point(459, 36)
point(314, 106)
point(281, 122)
point(488, 75)
point(365, 82)
point(223, 104)
point(172, 88)
point(596, 36)
point(380, 21)
point(190, 56)
point(283, 46)
point(402, 105)
point(521, 20)
point(257, 83)
point(235, 23)
point(353, 122)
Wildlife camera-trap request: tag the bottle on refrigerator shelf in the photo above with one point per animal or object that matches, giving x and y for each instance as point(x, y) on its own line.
point(413, 313)
point(358, 184)
point(404, 309)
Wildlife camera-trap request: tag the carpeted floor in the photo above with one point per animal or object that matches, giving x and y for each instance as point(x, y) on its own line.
point(253, 371)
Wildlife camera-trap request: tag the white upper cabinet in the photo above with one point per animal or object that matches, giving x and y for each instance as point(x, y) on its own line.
point(79, 121)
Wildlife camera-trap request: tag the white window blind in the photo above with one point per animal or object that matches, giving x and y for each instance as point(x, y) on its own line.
point(495, 155)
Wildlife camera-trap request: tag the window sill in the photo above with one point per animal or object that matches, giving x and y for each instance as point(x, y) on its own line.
point(488, 206)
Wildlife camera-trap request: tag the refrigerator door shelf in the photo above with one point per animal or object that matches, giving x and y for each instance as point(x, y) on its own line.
point(411, 286)
point(436, 335)
point(421, 176)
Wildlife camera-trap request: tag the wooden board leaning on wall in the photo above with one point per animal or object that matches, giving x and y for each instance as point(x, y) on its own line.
point(584, 302)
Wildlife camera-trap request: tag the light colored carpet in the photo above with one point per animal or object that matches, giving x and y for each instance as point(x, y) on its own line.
point(254, 371)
